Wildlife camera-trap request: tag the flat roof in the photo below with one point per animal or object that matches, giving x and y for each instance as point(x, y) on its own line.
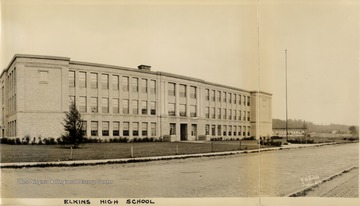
point(125, 69)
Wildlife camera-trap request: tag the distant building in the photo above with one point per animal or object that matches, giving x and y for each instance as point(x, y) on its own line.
point(124, 102)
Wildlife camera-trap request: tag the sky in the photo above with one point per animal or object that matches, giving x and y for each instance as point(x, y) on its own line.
point(217, 41)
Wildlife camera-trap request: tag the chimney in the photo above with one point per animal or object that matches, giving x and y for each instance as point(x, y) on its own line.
point(144, 67)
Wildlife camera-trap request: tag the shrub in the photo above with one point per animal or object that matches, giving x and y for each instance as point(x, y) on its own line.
point(216, 139)
point(18, 141)
point(166, 138)
point(202, 137)
point(5, 140)
point(249, 138)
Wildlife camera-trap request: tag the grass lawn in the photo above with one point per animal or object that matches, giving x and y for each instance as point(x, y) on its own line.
point(93, 151)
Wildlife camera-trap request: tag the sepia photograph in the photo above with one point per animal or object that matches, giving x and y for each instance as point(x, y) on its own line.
point(170, 102)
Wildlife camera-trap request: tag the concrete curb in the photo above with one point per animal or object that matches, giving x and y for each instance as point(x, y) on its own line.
point(145, 159)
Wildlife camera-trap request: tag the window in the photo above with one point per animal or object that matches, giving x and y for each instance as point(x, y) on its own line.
point(115, 82)
point(182, 109)
point(244, 116)
point(115, 105)
point(82, 79)
point(229, 113)
point(230, 128)
point(224, 96)
point(135, 107)
point(234, 130)
point(229, 97)
point(125, 106)
point(213, 113)
point(83, 128)
point(171, 89)
point(144, 86)
point(207, 112)
point(224, 113)
point(239, 113)
point(213, 128)
point(126, 126)
point(93, 80)
point(144, 126)
point(248, 131)
point(248, 101)
point(182, 90)
point(192, 110)
point(219, 96)
point(239, 102)
point(219, 113)
point(171, 109)
point(219, 130)
point(94, 104)
point(153, 129)
point(144, 107)
point(234, 99)
point(172, 129)
point(244, 100)
point(152, 87)
point(213, 95)
point(105, 105)
point(234, 114)
point(43, 78)
point(207, 94)
point(125, 84)
point(94, 129)
point(248, 116)
point(82, 104)
point(192, 92)
point(105, 128)
point(116, 127)
point(244, 130)
point(72, 101)
point(207, 129)
point(224, 131)
point(71, 78)
point(153, 108)
point(239, 130)
point(135, 129)
point(135, 84)
point(193, 130)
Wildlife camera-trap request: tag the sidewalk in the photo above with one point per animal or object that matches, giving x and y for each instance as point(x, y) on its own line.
point(145, 159)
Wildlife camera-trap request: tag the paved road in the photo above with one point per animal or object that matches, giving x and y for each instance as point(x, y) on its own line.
point(282, 172)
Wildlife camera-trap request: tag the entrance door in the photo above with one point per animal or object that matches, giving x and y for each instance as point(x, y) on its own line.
point(183, 131)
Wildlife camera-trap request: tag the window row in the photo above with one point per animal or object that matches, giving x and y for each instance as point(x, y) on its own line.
point(182, 110)
point(115, 105)
point(136, 129)
point(142, 84)
point(11, 131)
point(226, 97)
point(231, 114)
point(182, 90)
point(227, 130)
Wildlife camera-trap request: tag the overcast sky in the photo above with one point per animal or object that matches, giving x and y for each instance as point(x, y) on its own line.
point(212, 40)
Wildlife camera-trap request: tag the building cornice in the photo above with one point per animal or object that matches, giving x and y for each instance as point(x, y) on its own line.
point(126, 69)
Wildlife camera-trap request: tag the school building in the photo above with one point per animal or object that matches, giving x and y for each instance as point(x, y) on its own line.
point(115, 101)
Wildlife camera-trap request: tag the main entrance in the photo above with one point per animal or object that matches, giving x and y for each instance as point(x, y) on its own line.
point(183, 132)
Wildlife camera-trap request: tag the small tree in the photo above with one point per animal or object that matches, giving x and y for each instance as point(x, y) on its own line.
point(73, 127)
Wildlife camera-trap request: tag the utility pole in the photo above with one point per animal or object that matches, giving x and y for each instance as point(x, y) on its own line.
point(286, 96)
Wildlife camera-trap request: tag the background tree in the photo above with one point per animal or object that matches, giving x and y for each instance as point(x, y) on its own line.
point(73, 127)
point(353, 130)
